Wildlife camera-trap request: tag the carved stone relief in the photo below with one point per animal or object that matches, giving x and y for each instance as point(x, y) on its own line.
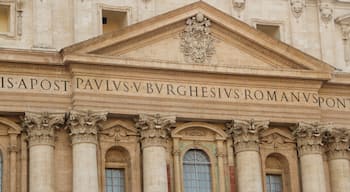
point(197, 43)
point(276, 140)
point(310, 137)
point(326, 12)
point(40, 127)
point(84, 125)
point(117, 133)
point(239, 4)
point(298, 7)
point(155, 129)
point(246, 133)
point(338, 143)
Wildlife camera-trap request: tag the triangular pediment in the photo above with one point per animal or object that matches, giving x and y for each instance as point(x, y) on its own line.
point(158, 42)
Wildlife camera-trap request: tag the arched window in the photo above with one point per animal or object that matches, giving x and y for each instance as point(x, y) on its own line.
point(196, 171)
point(277, 173)
point(116, 170)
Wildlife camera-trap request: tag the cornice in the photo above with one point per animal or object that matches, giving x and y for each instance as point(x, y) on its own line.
point(90, 59)
point(30, 56)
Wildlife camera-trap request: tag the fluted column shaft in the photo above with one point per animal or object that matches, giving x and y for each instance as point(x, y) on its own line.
point(246, 144)
point(338, 159)
point(40, 128)
point(83, 127)
point(154, 134)
point(310, 149)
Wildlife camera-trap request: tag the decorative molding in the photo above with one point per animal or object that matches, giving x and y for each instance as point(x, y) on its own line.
point(245, 134)
point(298, 7)
point(155, 129)
point(276, 140)
point(197, 43)
point(40, 127)
point(84, 125)
point(310, 137)
point(326, 12)
point(338, 143)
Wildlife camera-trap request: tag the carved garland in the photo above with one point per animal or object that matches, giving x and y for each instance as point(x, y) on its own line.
point(197, 43)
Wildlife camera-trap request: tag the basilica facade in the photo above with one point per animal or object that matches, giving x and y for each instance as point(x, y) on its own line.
point(190, 96)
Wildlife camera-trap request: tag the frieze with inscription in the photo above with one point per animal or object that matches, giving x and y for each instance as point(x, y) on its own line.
point(239, 94)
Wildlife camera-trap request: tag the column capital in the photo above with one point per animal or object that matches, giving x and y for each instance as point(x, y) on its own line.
point(245, 134)
point(309, 137)
point(155, 129)
point(83, 125)
point(40, 127)
point(338, 143)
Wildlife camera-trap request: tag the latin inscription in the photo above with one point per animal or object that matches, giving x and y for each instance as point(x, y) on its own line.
point(224, 93)
point(39, 84)
point(171, 90)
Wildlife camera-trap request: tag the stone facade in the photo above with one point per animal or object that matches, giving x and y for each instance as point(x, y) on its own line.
point(198, 78)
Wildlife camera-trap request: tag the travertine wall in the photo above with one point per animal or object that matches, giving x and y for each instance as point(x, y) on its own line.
point(308, 25)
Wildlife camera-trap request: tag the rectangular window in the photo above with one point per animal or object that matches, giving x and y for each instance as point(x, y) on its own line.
point(4, 18)
point(113, 20)
point(273, 183)
point(271, 30)
point(114, 180)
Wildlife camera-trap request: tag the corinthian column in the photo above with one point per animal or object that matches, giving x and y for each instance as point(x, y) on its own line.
point(245, 136)
point(310, 149)
point(83, 127)
point(40, 128)
point(154, 134)
point(338, 156)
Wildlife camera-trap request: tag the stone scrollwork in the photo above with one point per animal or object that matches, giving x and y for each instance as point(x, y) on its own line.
point(338, 143)
point(84, 125)
point(245, 134)
point(310, 137)
point(298, 7)
point(197, 43)
point(155, 129)
point(40, 127)
point(326, 12)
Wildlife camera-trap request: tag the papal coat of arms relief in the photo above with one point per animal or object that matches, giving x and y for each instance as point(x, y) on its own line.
point(197, 43)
